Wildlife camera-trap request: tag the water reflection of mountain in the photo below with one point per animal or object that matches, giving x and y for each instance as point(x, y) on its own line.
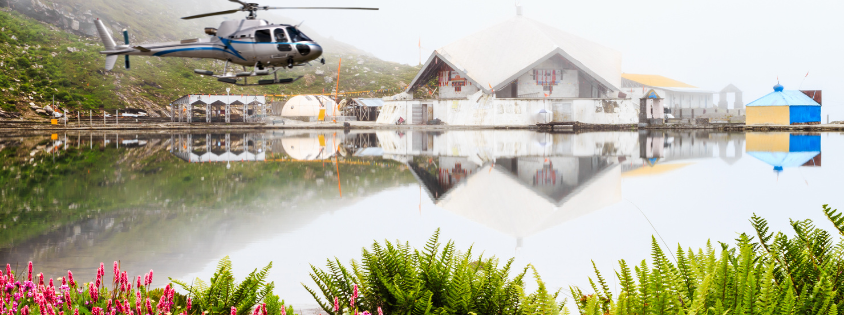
point(151, 210)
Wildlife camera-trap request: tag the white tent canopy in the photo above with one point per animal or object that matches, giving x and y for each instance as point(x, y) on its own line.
point(494, 57)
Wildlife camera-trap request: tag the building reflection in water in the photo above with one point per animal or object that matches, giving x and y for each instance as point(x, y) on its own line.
point(783, 150)
point(519, 183)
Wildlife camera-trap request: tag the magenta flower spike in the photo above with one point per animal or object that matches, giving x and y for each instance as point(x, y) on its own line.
point(25, 310)
point(115, 273)
point(189, 304)
point(76, 311)
point(93, 292)
point(379, 311)
point(30, 271)
point(352, 302)
point(232, 310)
point(356, 291)
point(336, 304)
point(9, 272)
point(71, 279)
point(138, 281)
point(100, 270)
point(283, 310)
point(148, 305)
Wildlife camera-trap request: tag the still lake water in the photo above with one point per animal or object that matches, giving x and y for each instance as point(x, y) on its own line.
point(177, 203)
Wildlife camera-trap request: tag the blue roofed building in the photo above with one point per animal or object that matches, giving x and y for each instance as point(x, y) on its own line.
point(783, 108)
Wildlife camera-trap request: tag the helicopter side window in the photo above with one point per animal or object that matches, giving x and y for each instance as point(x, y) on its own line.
point(263, 36)
point(281, 38)
point(297, 36)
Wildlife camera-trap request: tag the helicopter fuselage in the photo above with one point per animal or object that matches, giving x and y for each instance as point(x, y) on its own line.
point(241, 42)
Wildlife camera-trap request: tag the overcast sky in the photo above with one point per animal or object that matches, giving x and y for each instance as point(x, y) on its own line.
point(708, 44)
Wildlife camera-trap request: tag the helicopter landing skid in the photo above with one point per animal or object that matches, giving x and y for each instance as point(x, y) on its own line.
point(259, 82)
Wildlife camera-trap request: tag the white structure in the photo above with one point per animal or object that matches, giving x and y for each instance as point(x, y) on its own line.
point(308, 146)
point(307, 106)
point(544, 75)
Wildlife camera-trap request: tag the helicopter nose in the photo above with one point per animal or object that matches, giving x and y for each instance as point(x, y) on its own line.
point(315, 51)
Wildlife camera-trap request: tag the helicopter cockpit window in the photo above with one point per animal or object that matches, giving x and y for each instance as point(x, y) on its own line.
point(281, 38)
point(263, 36)
point(297, 36)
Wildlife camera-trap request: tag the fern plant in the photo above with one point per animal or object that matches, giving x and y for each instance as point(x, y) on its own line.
point(222, 292)
point(436, 280)
point(768, 273)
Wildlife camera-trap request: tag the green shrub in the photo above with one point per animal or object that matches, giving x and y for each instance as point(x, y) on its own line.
point(222, 293)
point(402, 280)
point(771, 273)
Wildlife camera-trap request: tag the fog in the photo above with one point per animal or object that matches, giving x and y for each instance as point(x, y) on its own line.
point(708, 44)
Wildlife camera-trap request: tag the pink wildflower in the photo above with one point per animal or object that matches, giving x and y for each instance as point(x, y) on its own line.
point(283, 310)
point(9, 272)
point(356, 291)
point(189, 304)
point(148, 305)
point(93, 292)
point(365, 313)
point(256, 310)
point(30, 271)
point(138, 281)
point(71, 279)
point(40, 279)
point(76, 311)
point(379, 311)
point(232, 310)
point(108, 303)
point(50, 310)
point(64, 282)
point(149, 277)
point(115, 274)
point(97, 311)
point(352, 302)
point(263, 305)
point(336, 304)
point(68, 298)
point(25, 310)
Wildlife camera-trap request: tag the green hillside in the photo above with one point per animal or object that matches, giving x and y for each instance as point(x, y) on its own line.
point(39, 61)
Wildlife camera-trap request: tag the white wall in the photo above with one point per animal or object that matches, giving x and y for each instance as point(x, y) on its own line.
point(489, 111)
point(449, 91)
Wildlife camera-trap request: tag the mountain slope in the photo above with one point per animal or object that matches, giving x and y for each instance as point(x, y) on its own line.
point(58, 57)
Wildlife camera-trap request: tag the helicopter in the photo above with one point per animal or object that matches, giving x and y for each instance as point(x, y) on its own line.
point(250, 42)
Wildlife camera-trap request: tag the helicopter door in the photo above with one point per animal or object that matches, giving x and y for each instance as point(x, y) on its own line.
point(263, 45)
point(281, 37)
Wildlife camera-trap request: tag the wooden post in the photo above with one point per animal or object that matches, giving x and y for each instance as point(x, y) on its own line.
point(337, 89)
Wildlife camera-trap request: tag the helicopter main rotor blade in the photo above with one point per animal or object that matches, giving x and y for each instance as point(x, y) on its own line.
point(240, 2)
point(314, 8)
point(211, 14)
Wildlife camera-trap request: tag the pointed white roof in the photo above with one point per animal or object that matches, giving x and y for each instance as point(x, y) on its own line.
point(501, 53)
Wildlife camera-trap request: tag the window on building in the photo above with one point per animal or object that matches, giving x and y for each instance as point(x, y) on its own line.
point(458, 85)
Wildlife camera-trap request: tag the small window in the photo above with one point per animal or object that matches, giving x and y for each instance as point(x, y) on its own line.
point(308, 97)
point(263, 36)
point(242, 36)
point(280, 35)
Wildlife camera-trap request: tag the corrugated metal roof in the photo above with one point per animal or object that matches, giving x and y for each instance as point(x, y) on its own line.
point(655, 80)
point(370, 102)
point(499, 54)
point(784, 98)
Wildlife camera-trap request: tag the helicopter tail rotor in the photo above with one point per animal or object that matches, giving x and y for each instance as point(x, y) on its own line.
point(126, 42)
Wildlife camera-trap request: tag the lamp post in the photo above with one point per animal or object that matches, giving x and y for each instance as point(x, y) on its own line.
point(227, 107)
